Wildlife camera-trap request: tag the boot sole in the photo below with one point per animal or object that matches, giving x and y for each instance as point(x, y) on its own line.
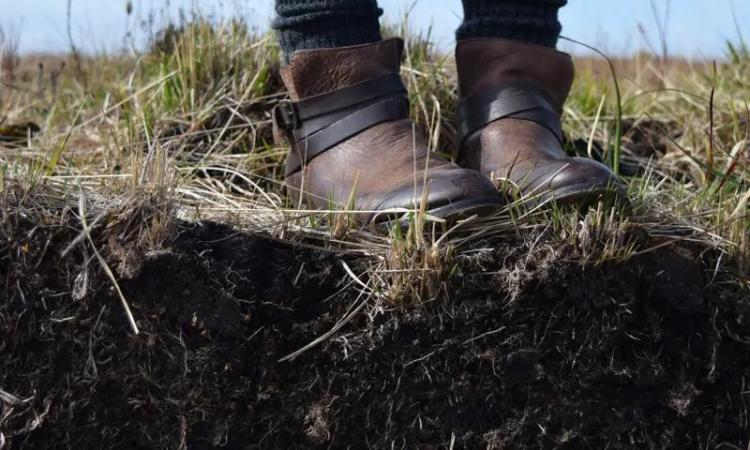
point(450, 212)
point(463, 209)
point(585, 196)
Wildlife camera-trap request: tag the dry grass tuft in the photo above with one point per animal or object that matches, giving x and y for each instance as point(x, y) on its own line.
point(183, 131)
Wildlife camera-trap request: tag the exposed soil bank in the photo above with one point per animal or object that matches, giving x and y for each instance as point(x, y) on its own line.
point(526, 353)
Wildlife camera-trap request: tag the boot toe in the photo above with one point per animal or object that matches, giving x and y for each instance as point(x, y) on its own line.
point(451, 192)
point(579, 181)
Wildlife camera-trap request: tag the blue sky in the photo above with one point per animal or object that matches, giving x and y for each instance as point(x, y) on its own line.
point(696, 28)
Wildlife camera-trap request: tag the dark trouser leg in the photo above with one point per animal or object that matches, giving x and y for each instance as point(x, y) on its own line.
point(307, 24)
point(529, 21)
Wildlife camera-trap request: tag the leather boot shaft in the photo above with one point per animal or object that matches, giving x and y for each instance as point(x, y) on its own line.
point(319, 71)
point(483, 63)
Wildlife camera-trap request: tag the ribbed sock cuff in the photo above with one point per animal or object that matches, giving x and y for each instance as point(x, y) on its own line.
point(529, 21)
point(308, 24)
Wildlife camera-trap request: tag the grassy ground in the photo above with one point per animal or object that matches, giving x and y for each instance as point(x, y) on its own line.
point(121, 151)
point(188, 122)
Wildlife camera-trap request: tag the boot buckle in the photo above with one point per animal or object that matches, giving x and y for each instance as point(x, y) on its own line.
point(285, 115)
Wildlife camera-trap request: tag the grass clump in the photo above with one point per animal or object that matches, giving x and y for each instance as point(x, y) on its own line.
point(189, 120)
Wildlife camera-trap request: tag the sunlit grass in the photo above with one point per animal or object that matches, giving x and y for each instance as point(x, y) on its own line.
point(189, 121)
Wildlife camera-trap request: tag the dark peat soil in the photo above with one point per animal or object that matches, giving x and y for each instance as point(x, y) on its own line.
point(522, 352)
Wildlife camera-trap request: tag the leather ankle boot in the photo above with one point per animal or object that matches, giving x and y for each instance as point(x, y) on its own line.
point(511, 100)
point(353, 144)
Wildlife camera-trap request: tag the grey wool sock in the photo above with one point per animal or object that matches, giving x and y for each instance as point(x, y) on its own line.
point(307, 24)
point(529, 21)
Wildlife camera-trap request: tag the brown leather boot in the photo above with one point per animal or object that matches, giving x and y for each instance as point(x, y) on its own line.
point(352, 140)
point(511, 100)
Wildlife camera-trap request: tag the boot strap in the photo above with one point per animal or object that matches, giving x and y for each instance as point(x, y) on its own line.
point(511, 100)
point(318, 123)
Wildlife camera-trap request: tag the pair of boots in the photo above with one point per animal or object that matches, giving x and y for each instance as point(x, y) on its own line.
point(354, 146)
